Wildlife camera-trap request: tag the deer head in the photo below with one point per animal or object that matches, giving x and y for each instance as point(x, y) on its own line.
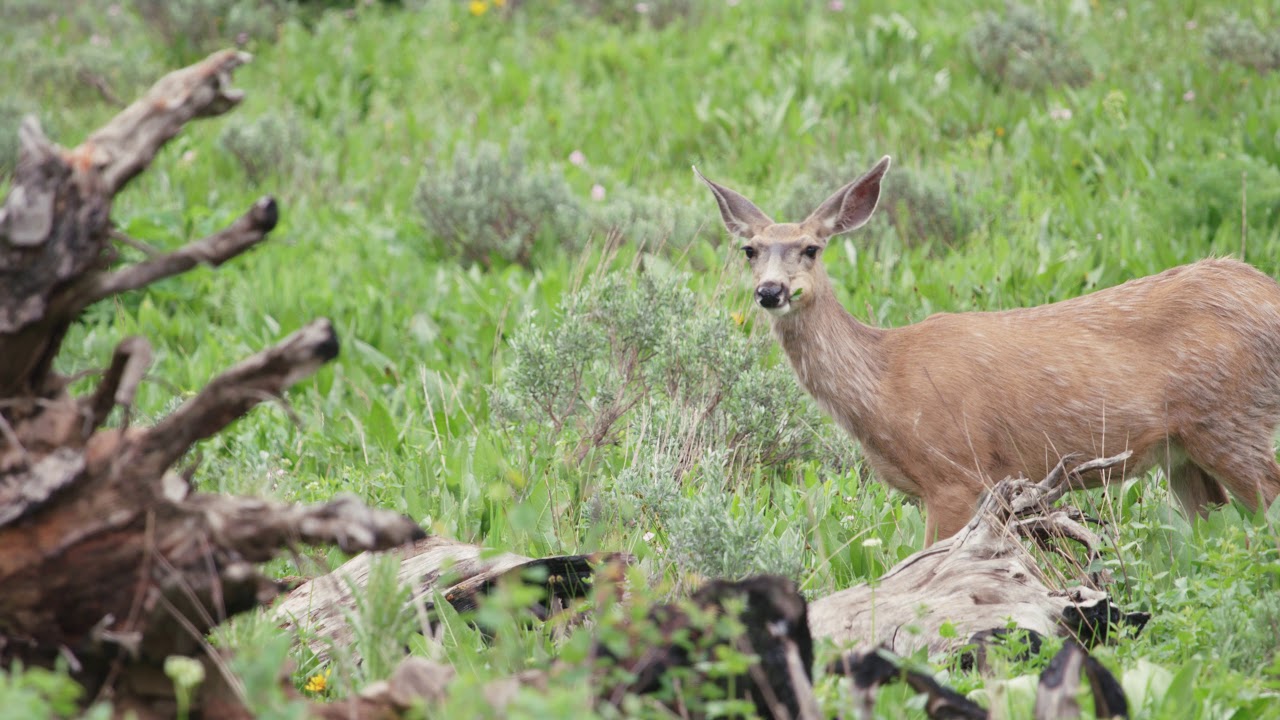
point(785, 257)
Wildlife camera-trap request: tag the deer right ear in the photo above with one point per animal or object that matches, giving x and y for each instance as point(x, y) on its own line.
point(740, 215)
point(851, 206)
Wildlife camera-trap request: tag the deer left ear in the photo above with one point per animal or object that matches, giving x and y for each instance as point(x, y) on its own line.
point(851, 206)
point(741, 216)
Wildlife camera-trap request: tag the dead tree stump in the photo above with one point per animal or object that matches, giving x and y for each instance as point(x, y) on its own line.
point(108, 559)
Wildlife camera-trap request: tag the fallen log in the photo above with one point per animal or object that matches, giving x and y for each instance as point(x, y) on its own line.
point(458, 572)
point(984, 579)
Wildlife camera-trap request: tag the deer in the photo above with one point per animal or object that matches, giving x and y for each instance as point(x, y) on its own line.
point(1182, 369)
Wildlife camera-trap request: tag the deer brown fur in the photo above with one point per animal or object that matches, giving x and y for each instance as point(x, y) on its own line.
point(1182, 368)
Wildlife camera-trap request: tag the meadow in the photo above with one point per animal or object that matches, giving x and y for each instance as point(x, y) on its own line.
point(549, 343)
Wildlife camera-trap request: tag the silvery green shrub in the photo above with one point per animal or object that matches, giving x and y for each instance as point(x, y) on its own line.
point(1022, 49)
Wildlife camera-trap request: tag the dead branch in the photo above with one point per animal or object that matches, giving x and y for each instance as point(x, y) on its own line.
point(248, 230)
point(120, 382)
point(126, 145)
point(1055, 699)
point(232, 394)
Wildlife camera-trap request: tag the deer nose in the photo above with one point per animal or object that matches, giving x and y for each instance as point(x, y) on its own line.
point(770, 294)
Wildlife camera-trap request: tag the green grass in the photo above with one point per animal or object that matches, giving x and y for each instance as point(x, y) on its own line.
point(1145, 173)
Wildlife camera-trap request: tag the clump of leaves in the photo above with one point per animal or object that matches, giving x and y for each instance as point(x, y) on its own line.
point(1022, 49)
point(263, 146)
point(1237, 40)
point(917, 206)
point(491, 206)
point(193, 28)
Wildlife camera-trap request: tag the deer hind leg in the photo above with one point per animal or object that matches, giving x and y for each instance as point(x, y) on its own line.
point(945, 516)
point(1195, 489)
point(1248, 469)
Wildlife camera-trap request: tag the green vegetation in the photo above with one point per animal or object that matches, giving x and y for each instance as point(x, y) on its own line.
point(548, 345)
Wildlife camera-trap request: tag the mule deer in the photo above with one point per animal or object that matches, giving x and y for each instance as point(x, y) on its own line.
point(1181, 368)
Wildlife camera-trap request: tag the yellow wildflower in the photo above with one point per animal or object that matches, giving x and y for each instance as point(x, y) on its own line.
point(478, 7)
point(318, 683)
point(999, 132)
point(499, 3)
point(739, 318)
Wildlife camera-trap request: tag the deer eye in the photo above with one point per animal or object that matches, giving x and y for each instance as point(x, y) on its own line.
point(750, 252)
point(811, 252)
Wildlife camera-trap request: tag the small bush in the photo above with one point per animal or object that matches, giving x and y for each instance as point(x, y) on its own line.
point(919, 207)
point(658, 13)
point(642, 371)
point(1236, 40)
point(490, 206)
point(271, 144)
point(1023, 50)
point(648, 351)
point(653, 222)
point(193, 28)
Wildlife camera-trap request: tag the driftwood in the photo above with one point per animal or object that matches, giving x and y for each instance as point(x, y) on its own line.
point(982, 578)
point(108, 559)
point(458, 572)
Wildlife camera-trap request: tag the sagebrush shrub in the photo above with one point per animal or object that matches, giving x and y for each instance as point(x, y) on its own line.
point(490, 205)
point(1022, 49)
point(1237, 40)
point(681, 395)
point(652, 222)
point(658, 13)
point(192, 28)
point(624, 350)
point(263, 146)
point(918, 206)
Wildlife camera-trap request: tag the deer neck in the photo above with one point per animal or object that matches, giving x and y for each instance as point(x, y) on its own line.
point(837, 359)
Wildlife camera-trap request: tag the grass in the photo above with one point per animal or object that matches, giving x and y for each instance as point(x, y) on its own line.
point(1066, 188)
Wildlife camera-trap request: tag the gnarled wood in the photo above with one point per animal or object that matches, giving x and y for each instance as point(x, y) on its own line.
point(107, 557)
point(979, 579)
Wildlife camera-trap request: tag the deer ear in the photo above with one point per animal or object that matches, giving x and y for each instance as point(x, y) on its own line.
point(741, 216)
point(851, 206)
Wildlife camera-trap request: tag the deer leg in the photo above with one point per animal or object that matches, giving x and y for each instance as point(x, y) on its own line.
point(1195, 489)
point(1248, 469)
point(945, 516)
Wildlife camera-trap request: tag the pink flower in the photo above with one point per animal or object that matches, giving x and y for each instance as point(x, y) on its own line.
point(577, 158)
point(642, 7)
point(1060, 114)
point(597, 192)
point(1189, 96)
point(835, 5)
point(1191, 25)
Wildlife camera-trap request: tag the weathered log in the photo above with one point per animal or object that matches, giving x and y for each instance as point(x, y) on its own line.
point(981, 579)
point(459, 572)
point(108, 560)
